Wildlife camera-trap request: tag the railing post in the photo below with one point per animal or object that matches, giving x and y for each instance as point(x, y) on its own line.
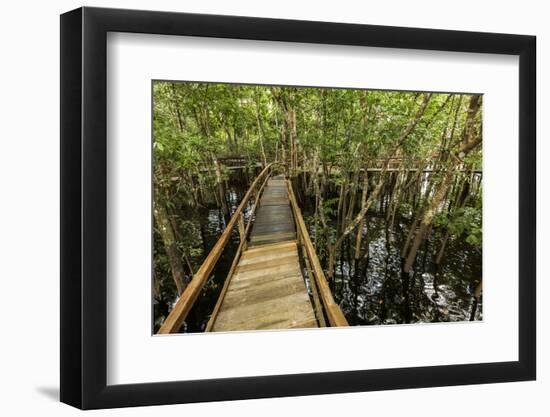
point(317, 303)
point(242, 230)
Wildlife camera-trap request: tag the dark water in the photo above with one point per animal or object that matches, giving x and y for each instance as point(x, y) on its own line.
point(209, 224)
point(370, 291)
point(213, 222)
point(373, 290)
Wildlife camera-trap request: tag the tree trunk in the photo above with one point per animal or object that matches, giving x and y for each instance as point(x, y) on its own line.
point(428, 217)
point(414, 225)
point(220, 187)
point(442, 249)
point(477, 297)
point(469, 142)
point(347, 230)
point(353, 195)
point(260, 129)
point(166, 231)
point(294, 141)
point(359, 236)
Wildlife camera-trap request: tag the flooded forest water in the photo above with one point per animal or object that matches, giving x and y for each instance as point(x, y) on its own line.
point(371, 290)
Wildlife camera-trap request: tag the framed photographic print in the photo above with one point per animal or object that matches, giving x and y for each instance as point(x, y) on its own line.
point(255, 207)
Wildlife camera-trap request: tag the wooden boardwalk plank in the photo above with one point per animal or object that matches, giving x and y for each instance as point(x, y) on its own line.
point(267, 290)
point(273, 271)
point(267, 256)
point(274, 222)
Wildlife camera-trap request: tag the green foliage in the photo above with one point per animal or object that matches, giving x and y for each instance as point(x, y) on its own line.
point(406, 210)
point(464, 221)
point(192, 239)
point(193, 121)
point(194, 124)
point(330, 207)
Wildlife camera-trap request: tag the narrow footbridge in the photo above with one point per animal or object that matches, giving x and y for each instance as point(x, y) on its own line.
point(275, 280)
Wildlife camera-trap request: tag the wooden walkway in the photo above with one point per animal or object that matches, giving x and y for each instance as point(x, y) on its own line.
point(267, 290)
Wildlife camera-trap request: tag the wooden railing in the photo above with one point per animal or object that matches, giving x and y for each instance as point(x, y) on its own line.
point(244, 231)
point(175, 319)
point(322, 296)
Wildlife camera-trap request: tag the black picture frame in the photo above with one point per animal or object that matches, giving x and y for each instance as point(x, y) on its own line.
point(84, 207)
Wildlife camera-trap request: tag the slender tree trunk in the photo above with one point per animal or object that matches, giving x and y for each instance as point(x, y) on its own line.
point(410, 235)
point(339, 214)
point(220, 186)
point(353, 196)
point(427, 218)
point(477, 297)
point(194, 192)
point(179, 117)
point(294, 141)
point(260, 129)
point(469, 142)
point(188, 263)
point(166, 231)
point(359, 236)
point(442, 248)
point(399, 142)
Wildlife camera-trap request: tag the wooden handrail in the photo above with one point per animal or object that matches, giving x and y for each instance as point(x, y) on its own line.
point(316, 300)
point(332, 309)
point(173, 322)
